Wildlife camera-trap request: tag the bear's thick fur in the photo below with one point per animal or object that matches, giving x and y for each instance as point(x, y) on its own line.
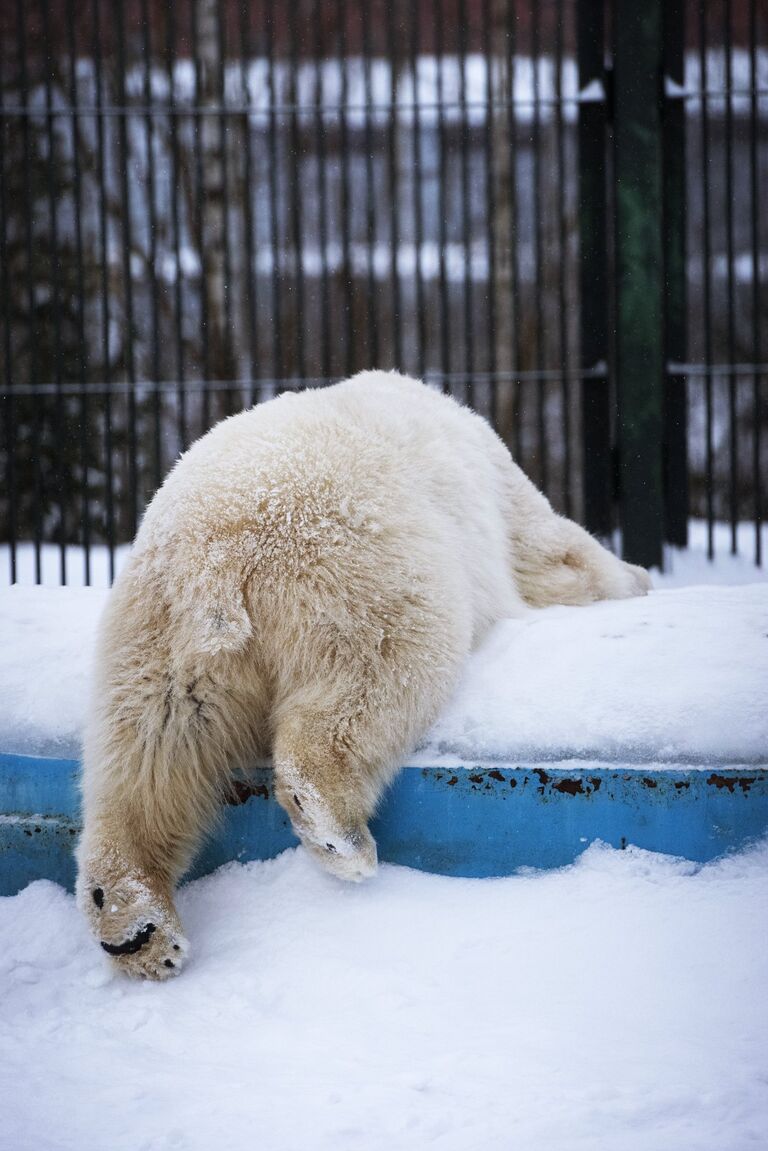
point(307, 582)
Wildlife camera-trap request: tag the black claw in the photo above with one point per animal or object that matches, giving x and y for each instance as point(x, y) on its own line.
point(131, 946)
point(176, 947)
point(169, 963)
point(297, 801)
point(331, 848)
point(98, 897)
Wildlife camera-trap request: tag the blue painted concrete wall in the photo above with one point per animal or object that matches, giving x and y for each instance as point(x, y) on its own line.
point(469, 821)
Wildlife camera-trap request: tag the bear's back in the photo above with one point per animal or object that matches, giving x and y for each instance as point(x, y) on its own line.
point(349, 493)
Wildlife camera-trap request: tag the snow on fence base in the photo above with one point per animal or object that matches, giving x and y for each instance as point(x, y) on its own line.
point(465, 821)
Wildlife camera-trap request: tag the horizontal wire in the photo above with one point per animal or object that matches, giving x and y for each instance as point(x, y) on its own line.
point(741, 369)
point(164, 109)
point(118, 387)
point(713, 93)
point(283, 383)
point(160, 108)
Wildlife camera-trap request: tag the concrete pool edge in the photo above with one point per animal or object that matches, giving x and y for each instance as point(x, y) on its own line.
point(469, 820)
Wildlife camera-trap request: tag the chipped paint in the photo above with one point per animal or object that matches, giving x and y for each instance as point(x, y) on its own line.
point(730, 782)
point(569, 786)
point(242, 790)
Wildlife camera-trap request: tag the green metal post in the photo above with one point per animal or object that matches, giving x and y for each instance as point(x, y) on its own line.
point(595, 394)
point(675, 343)
point(639, 276)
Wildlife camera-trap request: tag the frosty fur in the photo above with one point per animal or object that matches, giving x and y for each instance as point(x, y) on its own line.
point(307, 582)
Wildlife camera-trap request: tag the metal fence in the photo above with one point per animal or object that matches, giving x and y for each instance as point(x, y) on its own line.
point(203, 203)
point(723, 93)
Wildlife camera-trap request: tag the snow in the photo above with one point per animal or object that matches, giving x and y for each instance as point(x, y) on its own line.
point(677, 677)
point(690, 566)
point(617, 1003)
point(45, 665)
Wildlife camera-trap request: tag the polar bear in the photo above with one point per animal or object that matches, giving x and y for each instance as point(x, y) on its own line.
point(306, 583)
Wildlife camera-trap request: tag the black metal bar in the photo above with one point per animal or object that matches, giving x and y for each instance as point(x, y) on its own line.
point(370, 192)
point(295, 202)
point(490, 206)
point(318, 47)
point(55, 266)
point(593, 280)
point(562, 234)
point(346, 191)
point(639, 277)
point(466, 219)
point(199, 213)
point(418, 222)
point(733, 449)
point(8, 381)
point(244, 30)
point(126, 234)
point(82, 352)
point(707, 282)
point(229, 350)
point(514, 231)
point(32, 336)
point(538, 230)
point(442, 199)
point(394, 191)
point(754, 183)
point(106, 367)
point(675, 304)
point(274, 234)
point(149, 138)
point(170, 62)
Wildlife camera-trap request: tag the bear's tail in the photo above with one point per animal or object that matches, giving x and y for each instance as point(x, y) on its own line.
point(207, 600)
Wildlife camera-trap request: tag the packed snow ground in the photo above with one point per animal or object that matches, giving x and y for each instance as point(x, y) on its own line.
point(619, 1003)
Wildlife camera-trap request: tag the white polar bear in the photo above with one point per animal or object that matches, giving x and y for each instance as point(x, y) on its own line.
point(307, 581)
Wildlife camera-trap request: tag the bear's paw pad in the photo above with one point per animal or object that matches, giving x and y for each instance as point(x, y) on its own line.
point(138, 930)
point(149, 952)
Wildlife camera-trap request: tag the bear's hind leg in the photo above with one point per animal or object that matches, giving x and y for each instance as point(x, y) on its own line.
point(130, 910)
point(136, 844)
point(327, 796)
point(147, 805)
point(555, 561)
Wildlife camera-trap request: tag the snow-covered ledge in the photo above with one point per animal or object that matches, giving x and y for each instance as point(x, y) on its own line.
point(649, 713)
point(678, 677)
